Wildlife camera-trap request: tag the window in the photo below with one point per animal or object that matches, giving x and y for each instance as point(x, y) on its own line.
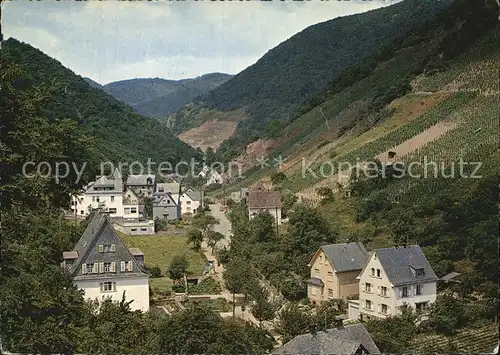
point(373, 272)
point(108, 286)
point(419, 272)
point(368, 304)
point(378, 272)
point(127, 210)
point(374, 256)
point(316, 271)
point(313, 290)
point(144, 229)
point(421, 305)
point(100, 248)
point(404, 291)
point(330, 293)
point(93, 198)
point(113, 247)
point(112, 198)
point(188, 202)
point(321, 259)
point(97, 199)
point(418, 290)
point(134, 229)
point(368, 287)
point(383, 291)
point(81, 212)
point(107, 267)
point(188, 209)
point(330, 276)
point(112, 210)
point(384, 309)
point(133, 210)
point(89, 268)
point(122, 266)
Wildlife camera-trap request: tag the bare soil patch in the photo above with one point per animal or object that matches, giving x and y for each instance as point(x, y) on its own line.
point(418, 141)
point(210, 134)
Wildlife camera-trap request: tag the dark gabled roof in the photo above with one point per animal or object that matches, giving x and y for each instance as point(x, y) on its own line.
point(346, 256)
point(452, 276)
point(264, 199)
point(399, 261)
point(194, 195)
point(100, 227)
point(168, 187)
point(141, 180)
point(342, 341)
point(160, 200)
point(315, 281)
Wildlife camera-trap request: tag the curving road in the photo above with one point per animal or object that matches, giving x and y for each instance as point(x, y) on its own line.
point(224, 226)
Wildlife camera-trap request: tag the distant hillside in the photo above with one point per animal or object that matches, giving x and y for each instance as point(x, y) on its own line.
point(159, 97)
point(93, 83)
point(117, 132)
point(273, 88)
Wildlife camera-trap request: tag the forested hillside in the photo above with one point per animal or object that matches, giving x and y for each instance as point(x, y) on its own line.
point(272, 89)
point(117, 133)
point(159, 97)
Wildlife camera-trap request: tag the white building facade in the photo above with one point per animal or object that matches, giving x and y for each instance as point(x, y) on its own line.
point(104, 268)
point(394, 277)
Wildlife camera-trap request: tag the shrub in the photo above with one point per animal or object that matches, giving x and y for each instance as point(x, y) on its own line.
point(153, 270)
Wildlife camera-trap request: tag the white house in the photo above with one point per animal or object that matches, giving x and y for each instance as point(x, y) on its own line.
point(143, 185)
point(212, 176)
point(260, 200)
point(393, 277)
point(191, 201)
point(130, 205)
point(102, 266)
point(105, 192)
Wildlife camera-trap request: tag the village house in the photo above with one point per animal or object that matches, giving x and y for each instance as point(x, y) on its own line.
point(142, 185)
point(191, 201)
point(102, 266)
point(351, 339)
point(166, 201)
point(334, 271)
point(105, 193)
point(393, 277)
point(212, 176)
point(130, 205)
point(260, 200)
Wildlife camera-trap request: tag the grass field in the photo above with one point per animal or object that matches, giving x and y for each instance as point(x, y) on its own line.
point(159, 250)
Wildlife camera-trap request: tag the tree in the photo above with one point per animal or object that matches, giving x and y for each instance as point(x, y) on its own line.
point(262, 308)
point(178, 267)
point(288, 201)
point(204, 222)
point(213, 239)
point(278, 178)
point(446, 314)
point(394, 334)
point(307, 231)
point(292, 321)
point(262, 227)
point(326, 194)
point(195, 237)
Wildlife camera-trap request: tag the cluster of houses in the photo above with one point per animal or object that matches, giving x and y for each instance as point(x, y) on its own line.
point(126, 202)
point(376, 284)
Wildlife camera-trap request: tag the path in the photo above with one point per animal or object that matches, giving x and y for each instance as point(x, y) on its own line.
point(224, 226)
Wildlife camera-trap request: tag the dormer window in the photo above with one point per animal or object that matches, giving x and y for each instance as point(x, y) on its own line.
point(419, 272)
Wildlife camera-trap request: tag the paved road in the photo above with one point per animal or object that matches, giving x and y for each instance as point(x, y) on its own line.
point(224, 226)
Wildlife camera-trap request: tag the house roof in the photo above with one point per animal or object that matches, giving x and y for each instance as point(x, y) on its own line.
point(343, 341)
point(264, 199)
point(194, 195)
point(136, 251)
point(141, 179)
point(171, 187)
point(114, 181)
point(160, 200)
point(315, 281)
point(346, 256)
point(69, 255)
point(450, 277)
point(398, 262)
point(101, 227)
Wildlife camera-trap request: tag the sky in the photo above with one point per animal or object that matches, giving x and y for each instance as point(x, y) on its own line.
point(110, 41)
